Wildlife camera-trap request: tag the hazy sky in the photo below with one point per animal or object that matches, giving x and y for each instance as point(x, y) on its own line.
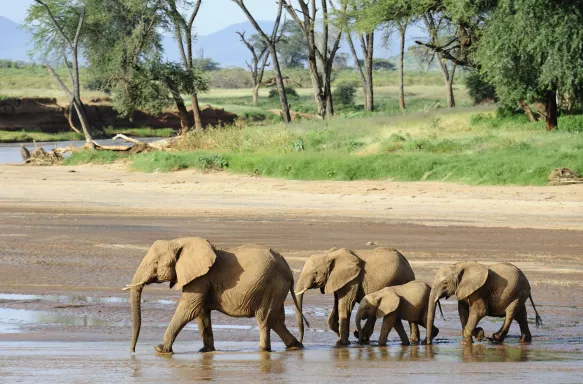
point(214, 14)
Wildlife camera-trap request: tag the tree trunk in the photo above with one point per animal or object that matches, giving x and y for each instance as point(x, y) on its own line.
point(196, 113)
point(285, 114)
point(368, 49)
point(528, 111)
point(551, 110)
point(450, 95)
point(402, 31)
point(84, 123)
point(256, 94)
point(317, 85)
point(360, 73)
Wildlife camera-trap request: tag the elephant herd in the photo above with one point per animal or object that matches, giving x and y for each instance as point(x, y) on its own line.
point(254, 281)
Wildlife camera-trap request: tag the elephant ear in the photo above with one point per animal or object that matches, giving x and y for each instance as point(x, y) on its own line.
point(343, 267)
point(194, 259)
point(472, 276)
point(388, 303)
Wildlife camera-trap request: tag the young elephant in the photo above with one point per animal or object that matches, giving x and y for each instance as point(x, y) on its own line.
point(247, 281)
point(499, 290)
point(350, 275)
point(393, 304)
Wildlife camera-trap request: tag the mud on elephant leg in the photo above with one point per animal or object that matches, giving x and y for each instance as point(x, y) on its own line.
point(206, 331)
point(183, 315)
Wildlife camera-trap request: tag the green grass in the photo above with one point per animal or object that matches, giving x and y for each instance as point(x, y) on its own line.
point(467, 145)
point(31, 135)
point(141, 132)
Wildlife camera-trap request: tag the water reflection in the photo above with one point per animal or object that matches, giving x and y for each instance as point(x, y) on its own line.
point(499, 353)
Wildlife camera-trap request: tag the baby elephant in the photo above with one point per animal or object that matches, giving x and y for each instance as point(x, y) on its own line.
point(401, 302)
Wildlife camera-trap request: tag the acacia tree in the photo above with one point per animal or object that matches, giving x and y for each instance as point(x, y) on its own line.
point(260, 57)
point(183, 32)
point(58, 27)
point(270, 41)
point(532, 50)
point(324, 54)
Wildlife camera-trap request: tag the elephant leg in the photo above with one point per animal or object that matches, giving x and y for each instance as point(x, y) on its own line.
point(464, 312)
point(206, 331)
point(522, 321)
point(277, 323)
point(435, 331)
point(414, 333)
point(368, 329)
point(511, 311)
point(333, 318)
point(262, 316)
point(402, 334)
point(388, 324)
point(476, 313)
point(346, 302)
point(188, 309)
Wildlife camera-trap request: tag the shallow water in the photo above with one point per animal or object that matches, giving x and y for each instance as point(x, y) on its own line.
point(10, 152)
point(240, 362)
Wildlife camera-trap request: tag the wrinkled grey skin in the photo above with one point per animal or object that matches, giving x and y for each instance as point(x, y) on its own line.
point(349, 276)
point(407, 302)
point(498, 290)
point(247, 281)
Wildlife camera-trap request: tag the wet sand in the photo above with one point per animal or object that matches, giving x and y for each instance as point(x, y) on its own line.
point(63, 315)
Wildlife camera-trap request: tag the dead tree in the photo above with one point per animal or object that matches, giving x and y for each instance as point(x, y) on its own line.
point(257, 65)
point(72, 44)
point(270, 42)
point(321, 78)
point(184, 38)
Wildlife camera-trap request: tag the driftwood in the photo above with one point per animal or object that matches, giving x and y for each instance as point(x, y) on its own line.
point(564, 176)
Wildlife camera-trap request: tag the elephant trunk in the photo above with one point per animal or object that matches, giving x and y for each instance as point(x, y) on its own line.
point(358, 319)
point(135, 299)
point(299, 317)
point(433, 298)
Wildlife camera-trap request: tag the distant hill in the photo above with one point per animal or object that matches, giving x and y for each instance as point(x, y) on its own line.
point(13, 41)
point(223, 46)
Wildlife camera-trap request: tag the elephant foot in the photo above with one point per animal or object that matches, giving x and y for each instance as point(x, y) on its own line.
point(342, 343)
point(479, 334)
point(497, 337)
point(295, 346)
point(525, 338)
point(382, 344)
point(206, 349)
point(405, 343)
point(162, 350)
point(414, 340)
point(264, 349)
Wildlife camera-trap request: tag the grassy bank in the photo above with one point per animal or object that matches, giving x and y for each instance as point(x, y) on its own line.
point(467, 145)
point(30, 136)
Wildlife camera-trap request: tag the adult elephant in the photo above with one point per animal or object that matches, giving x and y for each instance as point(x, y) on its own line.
point(350, 275)
point(498, 290)
point(247, 281)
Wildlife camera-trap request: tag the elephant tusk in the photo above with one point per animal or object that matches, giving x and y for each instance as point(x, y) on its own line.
point(130, 286)
point(301, 292)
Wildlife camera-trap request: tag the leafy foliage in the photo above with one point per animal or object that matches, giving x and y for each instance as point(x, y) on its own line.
point(479, 90)
point(344, 93)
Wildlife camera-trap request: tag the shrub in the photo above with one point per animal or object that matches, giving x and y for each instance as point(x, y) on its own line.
point(207, 162)
point(289, 91)
point(344, 93)
point(479, 90)
point(571, 123)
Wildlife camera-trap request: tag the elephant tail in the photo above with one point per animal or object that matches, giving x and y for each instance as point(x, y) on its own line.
point(538, 320)
point(293, 294)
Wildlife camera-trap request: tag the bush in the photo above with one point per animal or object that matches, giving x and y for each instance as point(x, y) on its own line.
point(289, 91)
point(216, 162)
point(571, 123)
point(344, 94)
point(479, 90)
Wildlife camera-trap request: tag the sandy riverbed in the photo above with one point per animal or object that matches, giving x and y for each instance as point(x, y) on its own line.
point(70, 240)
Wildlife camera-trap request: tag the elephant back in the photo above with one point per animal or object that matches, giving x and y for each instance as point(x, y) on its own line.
point(506, 281)
point(384, 267)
